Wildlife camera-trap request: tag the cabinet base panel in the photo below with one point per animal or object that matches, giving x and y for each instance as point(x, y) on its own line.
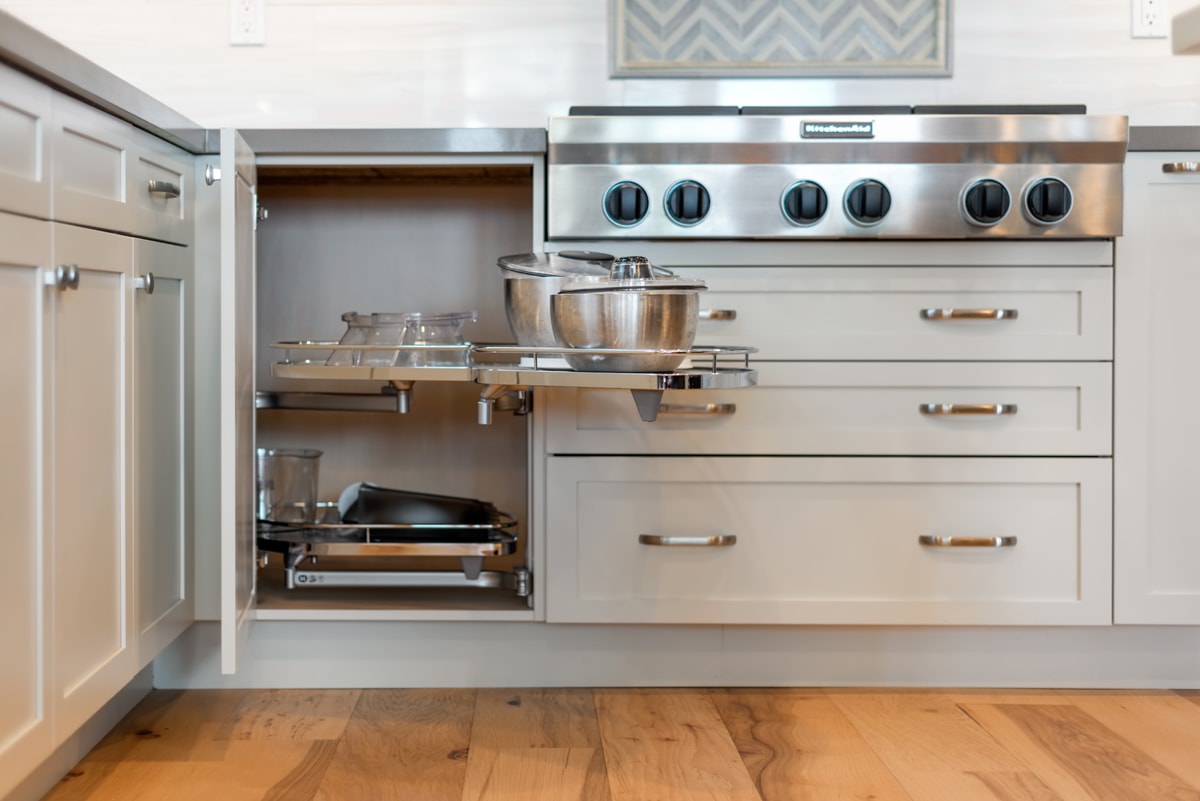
point(354, 654)
point(43, 778)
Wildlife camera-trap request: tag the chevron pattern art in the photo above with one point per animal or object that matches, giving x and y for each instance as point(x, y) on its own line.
point(760, 38)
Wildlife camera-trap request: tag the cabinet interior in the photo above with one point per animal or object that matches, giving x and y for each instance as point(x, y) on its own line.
point(393, 238)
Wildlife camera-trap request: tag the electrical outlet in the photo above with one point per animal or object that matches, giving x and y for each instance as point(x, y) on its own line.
point(248, 22)
point(1151, 19)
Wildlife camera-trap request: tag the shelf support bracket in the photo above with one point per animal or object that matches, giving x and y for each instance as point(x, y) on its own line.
point(648, 401)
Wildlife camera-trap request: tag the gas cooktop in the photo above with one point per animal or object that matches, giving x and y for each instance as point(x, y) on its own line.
point(924, 172)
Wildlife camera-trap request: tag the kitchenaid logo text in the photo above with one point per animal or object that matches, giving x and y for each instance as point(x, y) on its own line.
point(837, 130)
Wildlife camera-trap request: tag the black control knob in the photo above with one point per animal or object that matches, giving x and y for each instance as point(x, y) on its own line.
point(626, 204)
point(986, 202)
point(1048, 200)
point(868, 202)
point(687, 203)
point(805, 203)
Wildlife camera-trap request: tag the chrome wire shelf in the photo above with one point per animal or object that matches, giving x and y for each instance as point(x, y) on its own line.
point(501, 369)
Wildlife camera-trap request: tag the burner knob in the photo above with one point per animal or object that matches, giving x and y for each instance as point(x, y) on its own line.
point(986, 202)
point(1048, 201)
point(868, 202)
point(626, 204)
point(805, 203)
point(687, 203)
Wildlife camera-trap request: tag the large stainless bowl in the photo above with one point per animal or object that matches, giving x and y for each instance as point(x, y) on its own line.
point(530, 279)
point(662, 320)
point(527, 304)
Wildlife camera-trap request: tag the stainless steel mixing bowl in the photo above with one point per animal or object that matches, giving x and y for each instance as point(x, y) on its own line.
point(530, 279)
point(663, 320)
point(527, 304)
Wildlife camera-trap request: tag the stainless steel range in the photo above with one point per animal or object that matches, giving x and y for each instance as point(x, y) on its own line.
point(855, 173)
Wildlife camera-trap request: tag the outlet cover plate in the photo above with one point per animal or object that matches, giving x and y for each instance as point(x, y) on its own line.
point(1151, 19)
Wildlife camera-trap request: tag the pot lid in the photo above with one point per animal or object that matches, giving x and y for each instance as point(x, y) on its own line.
point(564, 264)
point(635, 273)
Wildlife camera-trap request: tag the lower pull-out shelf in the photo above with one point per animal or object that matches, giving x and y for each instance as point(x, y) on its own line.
point(356, 544)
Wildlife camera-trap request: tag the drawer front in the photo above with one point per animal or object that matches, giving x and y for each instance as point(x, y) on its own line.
point(24, 156)
point(160, 190)
point(829, 541)
point(862, 408)
point(91, 153)
point(877, 313)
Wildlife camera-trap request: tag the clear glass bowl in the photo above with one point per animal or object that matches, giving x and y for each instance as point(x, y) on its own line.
point(371, 329)
point(428, 330)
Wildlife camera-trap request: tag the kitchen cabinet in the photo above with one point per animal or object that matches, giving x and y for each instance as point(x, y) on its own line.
point(95, 285)
point(25, 727)
point(24, 144)
point(829, 541)
point(162, 444)
point(873, 424)
point(91, 570)
point(1157, 546)
point(380, 227)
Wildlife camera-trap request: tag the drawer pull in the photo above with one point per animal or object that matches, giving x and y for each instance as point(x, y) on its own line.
point(1182, 166)
point(671, 541)
point(718, 314)
point(703, 408)
point(164, 188)
point(968, 314)
point(964, 409)
point(930, 541)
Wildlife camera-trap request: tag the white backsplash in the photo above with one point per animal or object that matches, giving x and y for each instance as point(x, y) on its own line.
point(449, 63)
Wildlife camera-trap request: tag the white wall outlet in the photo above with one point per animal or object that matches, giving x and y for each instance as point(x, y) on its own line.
point(1151, 19)
point(248, 22)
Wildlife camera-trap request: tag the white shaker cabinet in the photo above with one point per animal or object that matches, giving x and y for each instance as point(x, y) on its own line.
point(95, 391)
point(25, 729)
point(162, 398)
point(24, 154)
point(88, 370)
point(1157, 379)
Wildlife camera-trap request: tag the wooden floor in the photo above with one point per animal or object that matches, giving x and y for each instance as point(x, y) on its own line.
point(649, 745)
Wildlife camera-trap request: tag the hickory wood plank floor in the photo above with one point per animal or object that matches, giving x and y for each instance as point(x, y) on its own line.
point(648, 745)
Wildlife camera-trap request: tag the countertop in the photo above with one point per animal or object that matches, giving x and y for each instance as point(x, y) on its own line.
point(1164, 137)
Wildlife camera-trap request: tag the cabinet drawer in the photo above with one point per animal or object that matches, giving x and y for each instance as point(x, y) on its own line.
point(833, 541)
point(91, 152)
point(862, 408)
point(881, 313)
point(160, 190)
point(24, 157)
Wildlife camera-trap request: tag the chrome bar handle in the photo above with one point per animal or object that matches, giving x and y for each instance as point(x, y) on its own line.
point(705, 408)
point(145, 282)
point(64, 277)
point(672, 541)
point(718, 314)
point(212, 174)
point(1182, 166)
point(968, 314)
point(931, 541)
point(961, 409)
point(164, 188)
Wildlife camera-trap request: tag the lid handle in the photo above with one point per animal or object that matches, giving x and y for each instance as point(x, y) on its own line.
point(626, 267)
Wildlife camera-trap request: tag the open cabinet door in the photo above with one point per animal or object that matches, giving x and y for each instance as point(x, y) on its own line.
point(239, 216)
